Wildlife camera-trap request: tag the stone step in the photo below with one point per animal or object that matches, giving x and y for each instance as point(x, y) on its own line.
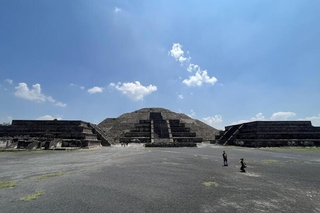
point(184, 134)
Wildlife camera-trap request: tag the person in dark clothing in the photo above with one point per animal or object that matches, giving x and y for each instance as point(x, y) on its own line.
point(243, 165)
point(225, 158)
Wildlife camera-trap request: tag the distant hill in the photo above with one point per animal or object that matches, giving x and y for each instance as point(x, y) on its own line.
point(116, 127)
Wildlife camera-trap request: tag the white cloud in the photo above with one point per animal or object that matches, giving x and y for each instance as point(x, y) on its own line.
point(282, 115)
point(22, 91)
point(76, 85)
point(258, 117)
point(95, 90)
point(240, 122)
point(117, 9)
point(9, 118)
point(183, 59)
point(199, 78)
point(314, 119)
point(135, 90)
point(180, 96)
point(9, 81)
point(193, 114)
point(60, 104)
point(48, 117)
point(49, 98)
point(193, 67)
point(177, 53)
point(213, 120)
point(34, 94)
point(57, 103)
point(6, 120)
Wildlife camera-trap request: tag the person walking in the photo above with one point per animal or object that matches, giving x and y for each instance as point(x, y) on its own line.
point(225, 158)
point(243, 165)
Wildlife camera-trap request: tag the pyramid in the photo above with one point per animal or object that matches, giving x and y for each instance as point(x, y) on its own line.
point(135, 125)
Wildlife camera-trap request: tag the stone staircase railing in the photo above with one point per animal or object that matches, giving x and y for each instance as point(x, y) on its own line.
point(226, 135)
point(101, 135)
point(234, 134)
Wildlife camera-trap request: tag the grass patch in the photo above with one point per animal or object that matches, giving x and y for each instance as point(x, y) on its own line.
point(8, 184)
point(32, 196)
point(210, 183)
point(48, 176)
point(270, 161)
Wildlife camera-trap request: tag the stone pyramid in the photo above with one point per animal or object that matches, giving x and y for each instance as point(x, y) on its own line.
point(116, 128)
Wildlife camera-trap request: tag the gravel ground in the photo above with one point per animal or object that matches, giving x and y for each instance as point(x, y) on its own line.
point(138, 179)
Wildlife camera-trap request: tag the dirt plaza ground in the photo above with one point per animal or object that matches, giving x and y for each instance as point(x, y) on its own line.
point(139, 179)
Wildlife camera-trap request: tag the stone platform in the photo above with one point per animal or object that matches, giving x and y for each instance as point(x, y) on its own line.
point(55, 134)
point(270, 133)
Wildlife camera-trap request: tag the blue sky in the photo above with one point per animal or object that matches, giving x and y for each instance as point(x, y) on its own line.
point(222, 62)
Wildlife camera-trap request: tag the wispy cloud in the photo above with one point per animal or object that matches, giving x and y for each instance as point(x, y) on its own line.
point(314, 119)
point(95, 90)
point(9, 81)
point(280, 116)
point(48, 117)
point(192, 114)
point(7, 119)
point(34, 94)
point(193, 67)
point(200, 76)
point(76, 85)
point(215, 121)
point(258, 117)
point(135, 91)
point(117, 10)
point(60, 104)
